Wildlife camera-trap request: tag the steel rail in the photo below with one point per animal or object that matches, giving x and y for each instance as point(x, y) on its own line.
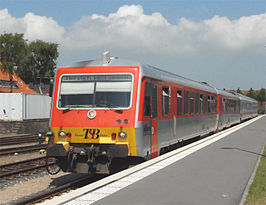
point(49, 193)
point(19, 170)
point(22, 149)
point(26, 138)
point(20, 162)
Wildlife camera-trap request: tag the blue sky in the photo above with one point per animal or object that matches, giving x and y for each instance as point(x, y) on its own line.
point(218, 41)
point(68, 11)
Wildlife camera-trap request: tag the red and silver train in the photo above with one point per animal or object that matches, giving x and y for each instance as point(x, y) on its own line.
point(113, 109)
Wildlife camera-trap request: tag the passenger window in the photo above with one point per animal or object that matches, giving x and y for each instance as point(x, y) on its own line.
point(215, 104)
point(209, 104)
point(191, 103)
point(221, 105)
point(147, 100)
point(197, 103)
point(205, 102)
point(201, 103)
point(185, 102)
point(165, 98)
point(224, 105)
point(179, 102)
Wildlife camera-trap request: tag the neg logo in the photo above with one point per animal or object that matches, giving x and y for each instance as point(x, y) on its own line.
point(91, 133)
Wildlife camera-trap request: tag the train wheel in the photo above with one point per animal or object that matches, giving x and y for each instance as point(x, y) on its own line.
point(51, 165)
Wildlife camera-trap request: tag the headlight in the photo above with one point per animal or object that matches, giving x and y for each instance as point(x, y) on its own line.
point(91, 114)
point(62, 134)
point(122, 135)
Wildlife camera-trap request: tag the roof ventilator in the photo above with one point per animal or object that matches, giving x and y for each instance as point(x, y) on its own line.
point(106, 58)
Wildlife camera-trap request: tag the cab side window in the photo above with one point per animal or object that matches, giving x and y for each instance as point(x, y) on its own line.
point(147, 100)
point(165, 98)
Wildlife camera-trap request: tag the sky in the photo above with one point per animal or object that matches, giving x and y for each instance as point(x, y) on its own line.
point(222, 42)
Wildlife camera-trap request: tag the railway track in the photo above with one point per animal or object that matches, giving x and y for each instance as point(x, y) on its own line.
point(49, 193)
point(20, 168)
point(20, 139)
point(23, 149)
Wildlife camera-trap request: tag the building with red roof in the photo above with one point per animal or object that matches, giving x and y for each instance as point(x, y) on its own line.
point(19, 86)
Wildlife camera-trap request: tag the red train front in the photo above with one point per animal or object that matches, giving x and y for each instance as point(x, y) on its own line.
point(93, 116)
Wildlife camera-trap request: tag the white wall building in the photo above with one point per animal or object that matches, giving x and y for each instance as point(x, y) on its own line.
point(24, 106)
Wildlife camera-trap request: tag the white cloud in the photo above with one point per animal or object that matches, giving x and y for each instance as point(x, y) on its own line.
point(245, 32)
point(130, 28)
point(40, 27)
point(33, 26)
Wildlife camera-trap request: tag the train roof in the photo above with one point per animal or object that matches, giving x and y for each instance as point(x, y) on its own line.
point(97, 63)
point(156, 73)
point(226, 93)
point(160, 74)
point(246, 98)
point(146, 70)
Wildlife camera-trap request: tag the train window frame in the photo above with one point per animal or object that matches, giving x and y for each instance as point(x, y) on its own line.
point(209, 107)
point(201, 102)
point(165, 100)
point(186, 110)
point(225, 105)
point(197, 103)
point(147, 100)
point(191, 102)
point(221, 104)
point(179, 101)
point(205, 104)
point(212, 104)
point(95, 108)
point(154, 90)
point(215, 104)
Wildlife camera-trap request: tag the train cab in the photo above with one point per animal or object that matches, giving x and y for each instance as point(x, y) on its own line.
point(93, 115)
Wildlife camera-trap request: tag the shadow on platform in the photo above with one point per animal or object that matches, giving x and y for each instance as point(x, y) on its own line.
point(243, 150)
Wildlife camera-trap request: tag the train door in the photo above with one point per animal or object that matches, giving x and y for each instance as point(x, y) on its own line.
point(150, 138)
point(154, 122)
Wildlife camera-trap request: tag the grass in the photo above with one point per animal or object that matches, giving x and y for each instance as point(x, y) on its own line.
point(257, 191)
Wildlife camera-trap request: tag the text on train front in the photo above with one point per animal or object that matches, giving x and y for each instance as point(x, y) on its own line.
point(95, 91)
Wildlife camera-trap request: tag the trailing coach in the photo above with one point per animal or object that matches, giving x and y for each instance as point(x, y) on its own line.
point(109, 109)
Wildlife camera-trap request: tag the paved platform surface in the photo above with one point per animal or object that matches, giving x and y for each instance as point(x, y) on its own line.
point(215, 174)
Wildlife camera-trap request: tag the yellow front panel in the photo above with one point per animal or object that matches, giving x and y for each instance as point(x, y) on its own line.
point(98, 135)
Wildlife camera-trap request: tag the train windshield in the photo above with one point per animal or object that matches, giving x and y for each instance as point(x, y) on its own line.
point(95, 91)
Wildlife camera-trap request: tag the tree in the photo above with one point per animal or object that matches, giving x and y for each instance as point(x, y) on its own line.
point(42, 58)
point(252, 94)
point(261, 96)
point(33, 60)
point(13, 52)
point(239, 91)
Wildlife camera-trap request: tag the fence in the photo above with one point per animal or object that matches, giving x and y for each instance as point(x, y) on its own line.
point(24, 106)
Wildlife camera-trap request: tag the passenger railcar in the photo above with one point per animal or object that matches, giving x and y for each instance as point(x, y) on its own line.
point(248, 107)
point(110, 109)
point(229, 109)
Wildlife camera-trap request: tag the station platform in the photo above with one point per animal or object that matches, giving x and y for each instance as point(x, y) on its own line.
point(215, 170)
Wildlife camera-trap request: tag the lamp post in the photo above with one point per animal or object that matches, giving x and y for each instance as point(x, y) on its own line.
point(11, 77)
